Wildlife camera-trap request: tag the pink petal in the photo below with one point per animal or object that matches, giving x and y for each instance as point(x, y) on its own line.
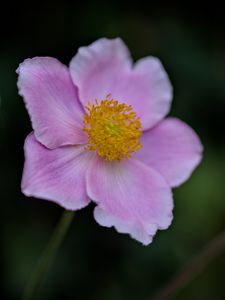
point(95, 68)
point(57, 175)
point(105, 68)
point(172, 148)
point(132, 197)
point(51, 100)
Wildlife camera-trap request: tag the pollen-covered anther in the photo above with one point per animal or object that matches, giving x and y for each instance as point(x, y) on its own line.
point(113, 129)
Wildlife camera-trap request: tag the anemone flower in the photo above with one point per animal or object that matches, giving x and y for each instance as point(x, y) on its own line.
point(100, 134)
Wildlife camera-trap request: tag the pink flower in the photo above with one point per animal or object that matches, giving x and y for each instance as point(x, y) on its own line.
point(100, 135)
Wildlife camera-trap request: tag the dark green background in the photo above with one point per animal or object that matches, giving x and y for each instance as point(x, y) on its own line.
point(95, 262)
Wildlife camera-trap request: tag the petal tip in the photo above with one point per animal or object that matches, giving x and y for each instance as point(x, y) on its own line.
point(135, 231)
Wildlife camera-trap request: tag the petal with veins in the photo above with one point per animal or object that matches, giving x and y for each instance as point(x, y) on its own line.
point(130, 196)
point(57, 175)
point(172, 148)
point(51, 99)
point(105, 68)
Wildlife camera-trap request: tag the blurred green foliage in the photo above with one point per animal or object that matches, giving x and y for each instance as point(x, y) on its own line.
point(95, 262)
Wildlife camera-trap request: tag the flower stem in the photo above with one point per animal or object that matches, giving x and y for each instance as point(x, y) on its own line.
point(48, 255)
point(196, 265)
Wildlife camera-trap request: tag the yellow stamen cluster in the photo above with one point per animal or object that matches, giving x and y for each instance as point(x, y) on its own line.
point(113, 129)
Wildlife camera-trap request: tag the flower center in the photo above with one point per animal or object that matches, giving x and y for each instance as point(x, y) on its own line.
point(113, 129)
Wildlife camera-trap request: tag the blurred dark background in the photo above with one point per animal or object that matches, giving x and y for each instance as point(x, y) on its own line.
point(95, 262)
